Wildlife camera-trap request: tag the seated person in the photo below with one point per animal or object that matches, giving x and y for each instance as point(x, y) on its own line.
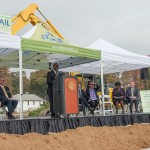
point(82, 100)
point(6, 98)
point(132, 95)
point(91, 95)
point(118, 96)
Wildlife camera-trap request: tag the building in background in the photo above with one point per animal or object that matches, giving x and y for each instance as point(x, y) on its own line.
point(30, 102)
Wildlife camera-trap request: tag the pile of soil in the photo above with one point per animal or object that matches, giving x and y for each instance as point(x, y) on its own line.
point(134, 137)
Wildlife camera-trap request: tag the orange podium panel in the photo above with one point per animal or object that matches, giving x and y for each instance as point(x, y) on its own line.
point(71, 96)
point(65, 95)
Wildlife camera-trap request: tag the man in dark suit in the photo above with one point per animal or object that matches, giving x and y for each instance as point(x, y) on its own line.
point(82, 100)
point(51, 77)
point(132, 94)
point(91, 95)
point(6, 98)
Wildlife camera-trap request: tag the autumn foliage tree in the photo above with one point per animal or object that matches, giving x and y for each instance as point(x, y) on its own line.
point(4, 71)
point(14, 78)
point(38, 83)
point(126, 77)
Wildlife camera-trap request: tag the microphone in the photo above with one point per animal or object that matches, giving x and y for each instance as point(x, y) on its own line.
point(60, 73)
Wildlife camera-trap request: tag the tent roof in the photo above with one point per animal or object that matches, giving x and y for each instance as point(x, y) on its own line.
point(9, 41)
point(40, 44)
point(115, 59)
point(9, 45)
point(28, 97)
point(42, 48)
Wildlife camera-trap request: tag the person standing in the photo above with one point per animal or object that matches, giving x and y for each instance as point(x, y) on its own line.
point(51, 77)
point(132, 93)
point(6, 98)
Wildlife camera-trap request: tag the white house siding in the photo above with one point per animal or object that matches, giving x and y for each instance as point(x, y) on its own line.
point(27, 107)
point(30, 102)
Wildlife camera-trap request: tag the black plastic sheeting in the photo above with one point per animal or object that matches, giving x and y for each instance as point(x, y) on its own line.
point(43, 126)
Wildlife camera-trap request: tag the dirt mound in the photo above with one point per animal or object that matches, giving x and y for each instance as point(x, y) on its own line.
point(133, 137)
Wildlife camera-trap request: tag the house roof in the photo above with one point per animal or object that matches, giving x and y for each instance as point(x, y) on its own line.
point(28, 97)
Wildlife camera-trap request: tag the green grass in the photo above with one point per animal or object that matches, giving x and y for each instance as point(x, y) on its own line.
point(37, 111)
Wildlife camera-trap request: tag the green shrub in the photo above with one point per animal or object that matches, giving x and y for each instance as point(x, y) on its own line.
point(37, 111)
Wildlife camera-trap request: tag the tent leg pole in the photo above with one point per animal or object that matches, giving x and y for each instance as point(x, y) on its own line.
point(82, 82)
point(20, 83)
point(102, 86)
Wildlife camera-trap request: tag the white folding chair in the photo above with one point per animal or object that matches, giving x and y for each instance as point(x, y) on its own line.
point(2, 112)
point(107, 104)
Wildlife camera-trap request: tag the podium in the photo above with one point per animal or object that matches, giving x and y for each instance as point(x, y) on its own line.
point(65, 95)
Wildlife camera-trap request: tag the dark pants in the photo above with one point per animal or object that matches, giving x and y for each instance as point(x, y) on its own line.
point(83, 103)
point(94, 103)
point(10, 104)
point(51, 104)
point(14, 104)
point(135, 103)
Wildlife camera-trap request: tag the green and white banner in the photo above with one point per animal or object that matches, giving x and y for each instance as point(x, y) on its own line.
point(41, 46)
point(145, 98)
point(5, 24)
point(48, 47)
point(45, 41)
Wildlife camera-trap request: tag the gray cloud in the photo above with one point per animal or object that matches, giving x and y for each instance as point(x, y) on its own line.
point(124, 23)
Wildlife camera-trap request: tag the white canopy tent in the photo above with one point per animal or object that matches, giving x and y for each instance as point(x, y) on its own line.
point(40, 49)
point(8, 45)
point(113, 59)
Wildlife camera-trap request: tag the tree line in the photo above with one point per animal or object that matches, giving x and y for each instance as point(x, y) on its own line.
point(37, 83)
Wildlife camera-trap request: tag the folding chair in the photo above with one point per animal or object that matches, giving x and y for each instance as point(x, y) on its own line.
point(2, 111)
point(108, 104)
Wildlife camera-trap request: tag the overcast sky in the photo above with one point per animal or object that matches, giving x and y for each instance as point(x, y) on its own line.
point(125, 23)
